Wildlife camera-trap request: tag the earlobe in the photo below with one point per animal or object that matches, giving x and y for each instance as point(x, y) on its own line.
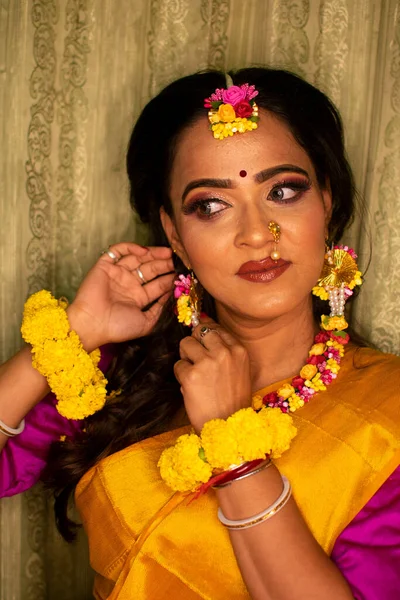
point(327, 200)
point(173, 236)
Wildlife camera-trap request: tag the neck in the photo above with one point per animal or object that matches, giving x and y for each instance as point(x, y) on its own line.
point(278, 348)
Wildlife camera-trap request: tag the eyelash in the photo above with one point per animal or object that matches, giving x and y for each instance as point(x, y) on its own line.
point(299, 185)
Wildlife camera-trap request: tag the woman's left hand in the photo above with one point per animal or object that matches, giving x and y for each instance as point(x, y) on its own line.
point(214, 373)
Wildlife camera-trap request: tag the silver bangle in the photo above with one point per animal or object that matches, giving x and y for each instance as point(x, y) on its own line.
point(260, 468)
point(262, 516)
point(10, 431)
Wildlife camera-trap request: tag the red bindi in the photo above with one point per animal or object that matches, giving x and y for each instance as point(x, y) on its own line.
point(243, 173)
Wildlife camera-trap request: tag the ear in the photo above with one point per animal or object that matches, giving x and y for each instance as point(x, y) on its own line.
point(173, 237)
point(327, 200)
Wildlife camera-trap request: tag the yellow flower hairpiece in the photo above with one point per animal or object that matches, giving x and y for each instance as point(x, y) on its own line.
point(232, 110)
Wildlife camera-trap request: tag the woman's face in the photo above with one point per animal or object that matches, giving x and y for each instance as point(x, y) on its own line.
point(224, 195)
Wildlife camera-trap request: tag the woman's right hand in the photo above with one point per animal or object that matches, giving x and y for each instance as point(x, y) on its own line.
point(108, 305)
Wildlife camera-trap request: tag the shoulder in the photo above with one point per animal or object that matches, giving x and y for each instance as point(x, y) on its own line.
point(374, 368)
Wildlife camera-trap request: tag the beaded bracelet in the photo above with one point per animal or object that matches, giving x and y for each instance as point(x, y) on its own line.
point(10, 431)
point(262, 516)
point(251, 470)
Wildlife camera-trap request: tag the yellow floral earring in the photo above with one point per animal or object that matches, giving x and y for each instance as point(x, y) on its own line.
point(188, 299)
point(340, 275)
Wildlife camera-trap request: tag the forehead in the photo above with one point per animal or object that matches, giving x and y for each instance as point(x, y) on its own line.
point(200, 155)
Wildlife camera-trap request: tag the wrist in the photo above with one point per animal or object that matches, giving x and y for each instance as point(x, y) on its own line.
point(82, 323)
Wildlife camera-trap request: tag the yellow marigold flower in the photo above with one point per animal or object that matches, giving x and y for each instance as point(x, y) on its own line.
point(281, 429)
point(257, 402)
point(38, 301)
point(295, 402)
point(308, 371)
point(333, 323)
point(184, 309)
point(95, 356)
point(285, 391)
point(181, 467)
point(57, 355)
point(317, 349)
point(50, 322)
point(252, 437)
point(62, 438)
point(320, 292)
point(220, 445)
point(226, 113)
point(90, 401)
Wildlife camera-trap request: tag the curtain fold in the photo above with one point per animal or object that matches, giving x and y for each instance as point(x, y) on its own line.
point(74, 75)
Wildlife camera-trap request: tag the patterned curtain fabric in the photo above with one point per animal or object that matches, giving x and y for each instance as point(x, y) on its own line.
point(74, 75)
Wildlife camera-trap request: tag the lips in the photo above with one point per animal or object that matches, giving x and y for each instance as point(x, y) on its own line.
point(260, 266)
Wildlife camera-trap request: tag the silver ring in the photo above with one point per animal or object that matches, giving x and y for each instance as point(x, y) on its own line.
point(112, 255)
point(141, 276)
point(204, 330)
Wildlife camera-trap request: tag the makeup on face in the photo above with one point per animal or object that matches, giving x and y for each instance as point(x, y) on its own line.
point(263, 271)
point(208, 204)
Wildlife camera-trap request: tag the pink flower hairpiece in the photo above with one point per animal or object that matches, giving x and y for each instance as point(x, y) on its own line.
point(232, 110)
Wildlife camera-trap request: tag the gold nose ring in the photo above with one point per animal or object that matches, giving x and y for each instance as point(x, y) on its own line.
point(275, 229)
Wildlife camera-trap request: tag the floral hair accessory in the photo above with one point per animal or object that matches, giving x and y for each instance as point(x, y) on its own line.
point(232, 110)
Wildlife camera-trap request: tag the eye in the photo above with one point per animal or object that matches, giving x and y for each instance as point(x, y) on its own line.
point(288, 191)
point(206, 208)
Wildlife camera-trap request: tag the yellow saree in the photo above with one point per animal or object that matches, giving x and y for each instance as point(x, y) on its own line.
point(147, 542)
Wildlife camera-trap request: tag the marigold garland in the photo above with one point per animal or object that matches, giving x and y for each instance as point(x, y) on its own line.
point(58, 354)
point(244, 436)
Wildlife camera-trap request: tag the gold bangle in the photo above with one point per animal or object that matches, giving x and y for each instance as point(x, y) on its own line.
point(260, 468)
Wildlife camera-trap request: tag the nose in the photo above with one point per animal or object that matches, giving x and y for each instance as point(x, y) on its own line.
point(253, 229)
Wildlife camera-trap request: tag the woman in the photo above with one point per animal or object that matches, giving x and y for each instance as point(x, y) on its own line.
point(250, 216)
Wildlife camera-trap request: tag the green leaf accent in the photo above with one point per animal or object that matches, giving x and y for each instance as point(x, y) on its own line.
point(202, 454)
point(215, 105)
point(254, 119)
point(342, 334)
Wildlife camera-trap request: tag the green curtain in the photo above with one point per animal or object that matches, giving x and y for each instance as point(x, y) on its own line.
point(74, 75)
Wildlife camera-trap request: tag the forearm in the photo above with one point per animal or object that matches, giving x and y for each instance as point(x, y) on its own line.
point(279, 559)
point(22, 386)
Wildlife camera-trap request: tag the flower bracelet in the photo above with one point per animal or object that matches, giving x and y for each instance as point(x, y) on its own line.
point(197, 461)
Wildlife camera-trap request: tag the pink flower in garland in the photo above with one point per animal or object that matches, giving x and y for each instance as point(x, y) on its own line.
point(182, 286)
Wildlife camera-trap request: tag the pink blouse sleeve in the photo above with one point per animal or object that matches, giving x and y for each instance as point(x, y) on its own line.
point(367, 552)
point(24, 456)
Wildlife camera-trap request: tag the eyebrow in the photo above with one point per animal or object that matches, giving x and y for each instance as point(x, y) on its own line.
point(228, 184)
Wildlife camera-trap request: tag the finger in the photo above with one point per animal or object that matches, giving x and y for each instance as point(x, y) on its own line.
point(190, 349)
point(152, 314)
point(181, 370)
point(156, 288)
point(208, 337)
point(150, 270)
point(225, 335)
point(122, 249)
